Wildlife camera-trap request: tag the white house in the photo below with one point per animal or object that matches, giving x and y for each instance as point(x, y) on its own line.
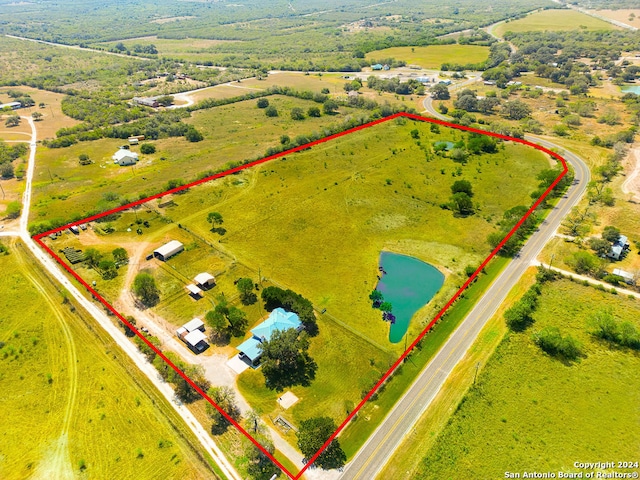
point(125, 157)
point(628, 277)
point(168, 250)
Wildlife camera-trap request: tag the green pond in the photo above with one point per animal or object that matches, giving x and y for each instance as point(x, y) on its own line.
point(631, 89)
point(408, 284)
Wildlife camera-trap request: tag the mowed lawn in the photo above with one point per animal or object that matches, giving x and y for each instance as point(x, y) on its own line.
point(78, 406)
point(536, 413)
point(433, 56)
point(553, 20)
point(232, 133)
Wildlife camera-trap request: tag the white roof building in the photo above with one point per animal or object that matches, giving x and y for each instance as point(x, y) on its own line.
point(192, 325)
point(196, 340)
point(628, 277)
point(193, 290)
point(204, 279)
point(125, 157)
point(168, 250)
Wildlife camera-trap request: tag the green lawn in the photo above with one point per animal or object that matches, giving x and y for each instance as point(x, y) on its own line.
point(75, 399)
point(536, 413)
point(433, 56)
point(553, 20)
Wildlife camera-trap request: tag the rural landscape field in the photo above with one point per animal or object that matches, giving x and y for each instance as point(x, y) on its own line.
point(338, 240)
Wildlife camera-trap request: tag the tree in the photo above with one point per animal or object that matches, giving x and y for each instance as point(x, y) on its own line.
point(237, 322)
point(462, 186)
point(386, 307)
point(147, 148)
point(84, 159)
point(37, 116)
point(165, 100)
point(13, 210)
point(440, 92)
point(552, 342)
point(92, 257)
point(466, 102)
point(215, 218)
point(245, 288)
point(313, 112)
point(313, 434)
point(225, 398)
point(516, 109)
point(120, 255)
point(286, 361)
point(297, 113)
point(262, 103)
point(584, 262)
point(518, 317)
point(578, 222)
point(330, 106)
point(271, 111)
point(275, 297)
point(458, 155)
point(611, 234)
point(376, 297)
point(600, 246)
point(145, 288)
point(12, 121)
point(462, 204)
point(108, 269)
point(6, 170)
point(488, 104)
point(193, 135)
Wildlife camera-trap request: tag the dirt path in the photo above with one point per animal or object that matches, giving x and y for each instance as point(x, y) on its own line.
point(631, 185)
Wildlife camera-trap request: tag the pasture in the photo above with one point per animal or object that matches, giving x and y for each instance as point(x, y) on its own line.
point(553, 20)
point(536, 413)
point(433, 56)
point(65, 189)
point(78, 404)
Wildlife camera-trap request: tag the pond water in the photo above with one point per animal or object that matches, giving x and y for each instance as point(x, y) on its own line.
point(631, 89)
point(408, 285)
point(448, 145)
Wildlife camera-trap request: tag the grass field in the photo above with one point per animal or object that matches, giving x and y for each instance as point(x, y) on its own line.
point(78, 405)
point(433, 56)
point(536, 413)
point(553, 20)
point(335, 207)
point(226, 130)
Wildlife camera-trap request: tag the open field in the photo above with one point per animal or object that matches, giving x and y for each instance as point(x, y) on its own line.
point(60, 180)
point(433, 56)
point(553, 20)
point(511, 413)
point(78, 406)
point(623, 15)
point(349, 199)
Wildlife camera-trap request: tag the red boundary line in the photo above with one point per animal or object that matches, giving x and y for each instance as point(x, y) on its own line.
point(38, 237)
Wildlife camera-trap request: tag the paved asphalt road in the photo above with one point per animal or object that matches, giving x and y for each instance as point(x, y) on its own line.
point(398, 423)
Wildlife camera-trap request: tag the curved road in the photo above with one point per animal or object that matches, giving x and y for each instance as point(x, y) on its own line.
point(388, 436)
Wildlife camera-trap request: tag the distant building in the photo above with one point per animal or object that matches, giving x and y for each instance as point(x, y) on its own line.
point(377, 66)
point(194, 291)
point(11, 105)
point(423, 79)
point(279, 319)
point(147, 101)
point(168, 250)
point(124, 157)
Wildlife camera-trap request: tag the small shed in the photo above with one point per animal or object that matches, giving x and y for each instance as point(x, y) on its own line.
point(125, 157)
point(193, 290)
point(11, 105)
point(377, 66)
point(196, 341)
point(193, 325)
point(168, 250)
point(627, 276)
point(205, 280)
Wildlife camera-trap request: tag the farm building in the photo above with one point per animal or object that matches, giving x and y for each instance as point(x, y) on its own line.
point(377, 66)
point(168, 250)
point(279, 319)
point(192, 334)
point(194, 291)
point(11, 105)
point(146, 101)
point(628, 277)
point(205, 280)
point(125, 157)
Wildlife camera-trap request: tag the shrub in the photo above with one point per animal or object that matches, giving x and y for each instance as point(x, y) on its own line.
point(147, 148)
point(262, 103)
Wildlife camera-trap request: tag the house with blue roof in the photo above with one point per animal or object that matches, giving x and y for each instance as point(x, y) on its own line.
point(279, 319)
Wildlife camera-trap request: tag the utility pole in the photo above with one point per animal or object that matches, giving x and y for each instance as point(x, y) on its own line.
point(475, 376)
point(2, 191)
